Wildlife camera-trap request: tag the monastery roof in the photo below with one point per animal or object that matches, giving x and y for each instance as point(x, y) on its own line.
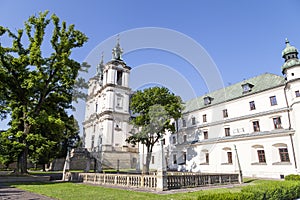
point(258, 84)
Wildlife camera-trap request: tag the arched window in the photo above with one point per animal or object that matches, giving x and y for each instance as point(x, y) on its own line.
point(227, 156)
point(258, 154)
point(280, 153)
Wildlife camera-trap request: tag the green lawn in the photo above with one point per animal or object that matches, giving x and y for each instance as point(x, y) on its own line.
point(67, 190)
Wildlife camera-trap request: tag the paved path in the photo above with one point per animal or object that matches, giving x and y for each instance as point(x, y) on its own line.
point(11, 193)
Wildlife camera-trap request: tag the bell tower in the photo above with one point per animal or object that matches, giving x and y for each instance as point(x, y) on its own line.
point(291, 66)
point(106, 125)
point(291, 70)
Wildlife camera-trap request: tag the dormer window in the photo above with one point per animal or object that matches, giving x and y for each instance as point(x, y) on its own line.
point(207, 100)
point(247, 87)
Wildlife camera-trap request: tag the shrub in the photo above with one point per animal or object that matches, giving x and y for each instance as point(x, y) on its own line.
point(292, 177)
point(273, 190)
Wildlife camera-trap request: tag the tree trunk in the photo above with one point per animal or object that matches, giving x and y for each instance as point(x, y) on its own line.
point(148, 159)
point(22, 159)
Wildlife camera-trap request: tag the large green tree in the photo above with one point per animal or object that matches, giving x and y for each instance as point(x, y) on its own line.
point(153, 108)
point(37, 78)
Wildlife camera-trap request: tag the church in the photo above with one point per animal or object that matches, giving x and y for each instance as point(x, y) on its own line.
point(252, 127)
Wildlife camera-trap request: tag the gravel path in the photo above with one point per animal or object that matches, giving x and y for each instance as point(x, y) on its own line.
point(11, 193)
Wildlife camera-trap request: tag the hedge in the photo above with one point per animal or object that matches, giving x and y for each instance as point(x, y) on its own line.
point(275, 190)
point(292, 177)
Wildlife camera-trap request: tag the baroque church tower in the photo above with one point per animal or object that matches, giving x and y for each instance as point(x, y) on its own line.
point(291, 71)
point(106, 125)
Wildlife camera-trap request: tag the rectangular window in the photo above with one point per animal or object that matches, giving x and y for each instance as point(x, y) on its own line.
point(183, 123)
point(184, 138)
point(225, 113)
point(204, 118)
point(273, 100)
point(184, 157)
point(256, 126)
point(297, 93)
point(119, 77)
point(277, 122)
point(252, 105)
point(174, 139)
point(174, 159)
point(152, 160)
point(207, 158)
point(205, 134)
point(261, 156)
point(284, 155)
point(227, 131)
point(163, 141)
point(96, 107)
point(193, 120)
point(229, 157)
point(93, 141)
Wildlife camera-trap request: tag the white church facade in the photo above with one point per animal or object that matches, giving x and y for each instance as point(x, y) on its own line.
point(252, 126)
point(106, 125)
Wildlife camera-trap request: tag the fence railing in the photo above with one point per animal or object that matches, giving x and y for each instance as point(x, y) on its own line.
point(172, 180)
point(188, 180)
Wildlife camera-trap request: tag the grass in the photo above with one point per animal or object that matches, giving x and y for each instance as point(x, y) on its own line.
point(67, 190)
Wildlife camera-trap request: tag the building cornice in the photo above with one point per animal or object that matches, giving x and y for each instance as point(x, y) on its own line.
point(247, 136)
point(225, 121)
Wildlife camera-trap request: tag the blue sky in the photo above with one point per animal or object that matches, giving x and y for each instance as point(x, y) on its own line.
point(243, 38)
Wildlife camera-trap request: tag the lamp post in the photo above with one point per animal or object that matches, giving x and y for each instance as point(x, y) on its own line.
point(239, 166)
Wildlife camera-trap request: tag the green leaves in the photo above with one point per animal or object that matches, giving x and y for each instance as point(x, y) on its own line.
point(35, 88)
point(154, 107)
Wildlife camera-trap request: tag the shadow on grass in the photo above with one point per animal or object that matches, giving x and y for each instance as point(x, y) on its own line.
point(250, 180)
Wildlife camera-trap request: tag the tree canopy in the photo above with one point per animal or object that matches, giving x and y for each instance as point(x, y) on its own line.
point(154, 108)
point(36, 88)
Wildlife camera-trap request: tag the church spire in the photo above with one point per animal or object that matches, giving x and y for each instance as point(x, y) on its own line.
point(117, 51)
point(100, 67)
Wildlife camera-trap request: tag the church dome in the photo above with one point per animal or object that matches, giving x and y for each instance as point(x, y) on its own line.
point(289, 49)
point(290, 63)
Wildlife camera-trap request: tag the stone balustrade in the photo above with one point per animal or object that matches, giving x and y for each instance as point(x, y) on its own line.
point(156, 181)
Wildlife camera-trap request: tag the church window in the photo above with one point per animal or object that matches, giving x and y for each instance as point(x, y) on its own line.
point(193, 120)
point(152, 160)
point(94, 128)
point(93, 141)
point(225, 113)
point(184, 138)
point(207, 158)
point(297, 93)
point(204, 118)
point(284, 155)
point(174, 159)
point(252, 105)
point(205, 134)
point(184, 157)
point(261, 156)
point(277, 122)
point(256, 126)
point(119, 77)
point(183, 123)
point(163, 141)
point(273, 100)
